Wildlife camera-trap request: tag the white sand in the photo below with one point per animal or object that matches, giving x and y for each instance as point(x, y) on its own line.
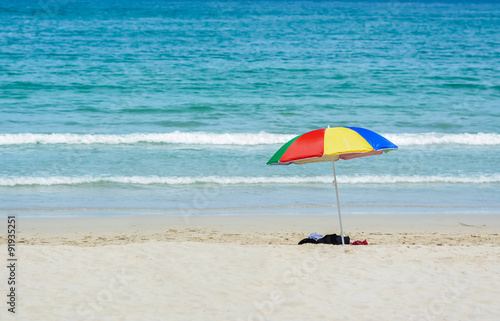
point(250, 268)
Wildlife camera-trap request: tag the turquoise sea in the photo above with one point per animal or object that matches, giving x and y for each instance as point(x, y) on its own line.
point(174, 107)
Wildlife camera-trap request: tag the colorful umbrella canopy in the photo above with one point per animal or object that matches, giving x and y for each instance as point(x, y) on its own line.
point(325, 145)
point(330, 145)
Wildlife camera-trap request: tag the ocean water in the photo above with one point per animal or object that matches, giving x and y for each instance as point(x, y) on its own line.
point(174, 107)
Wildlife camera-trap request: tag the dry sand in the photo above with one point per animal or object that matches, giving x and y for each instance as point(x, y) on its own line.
point(425, 267)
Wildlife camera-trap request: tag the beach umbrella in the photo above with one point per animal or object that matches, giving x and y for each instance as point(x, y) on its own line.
point(330, 145)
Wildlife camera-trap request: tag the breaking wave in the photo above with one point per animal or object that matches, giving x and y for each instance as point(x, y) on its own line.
point(242, 139)
point(240, 180)
point(444, 139)
point(195, 138)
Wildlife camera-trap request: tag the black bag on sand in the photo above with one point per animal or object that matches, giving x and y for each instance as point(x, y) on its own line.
point(327, 239)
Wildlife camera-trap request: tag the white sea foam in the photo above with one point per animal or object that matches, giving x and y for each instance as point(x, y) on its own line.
point(233, 180)
point(444, 139)
point(197, 138)
point(242, 139)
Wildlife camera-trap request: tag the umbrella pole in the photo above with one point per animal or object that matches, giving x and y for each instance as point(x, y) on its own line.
point(338, 204)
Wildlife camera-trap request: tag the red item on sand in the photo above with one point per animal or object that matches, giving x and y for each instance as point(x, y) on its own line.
point(359, 243)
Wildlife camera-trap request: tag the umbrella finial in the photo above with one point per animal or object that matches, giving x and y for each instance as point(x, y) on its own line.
point(328, 126)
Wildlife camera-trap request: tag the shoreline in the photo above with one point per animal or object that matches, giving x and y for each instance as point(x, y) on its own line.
point(424, 229)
